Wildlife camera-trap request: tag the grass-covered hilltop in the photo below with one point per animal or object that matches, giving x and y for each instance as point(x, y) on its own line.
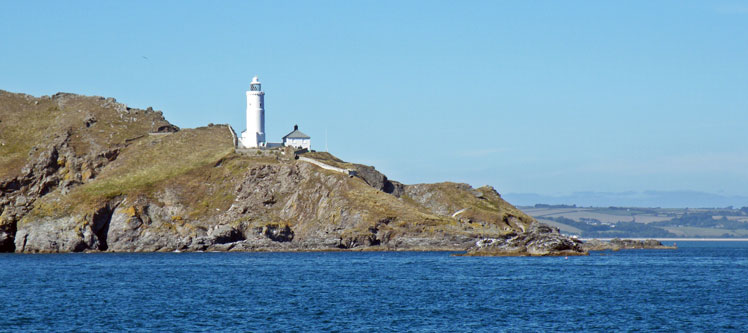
point(84, 173)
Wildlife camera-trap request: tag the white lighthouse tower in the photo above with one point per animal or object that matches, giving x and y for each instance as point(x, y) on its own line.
point(254, 136)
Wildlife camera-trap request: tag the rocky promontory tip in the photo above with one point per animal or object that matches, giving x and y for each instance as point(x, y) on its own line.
point(538, 240)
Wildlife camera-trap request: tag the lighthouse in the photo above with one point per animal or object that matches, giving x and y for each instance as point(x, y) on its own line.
point(254, 136)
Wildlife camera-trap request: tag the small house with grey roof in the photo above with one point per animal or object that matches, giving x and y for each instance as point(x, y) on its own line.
point(297, 139)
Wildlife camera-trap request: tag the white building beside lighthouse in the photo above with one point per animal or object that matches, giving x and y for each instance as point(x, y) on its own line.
point(297, 139)
point(254, 136)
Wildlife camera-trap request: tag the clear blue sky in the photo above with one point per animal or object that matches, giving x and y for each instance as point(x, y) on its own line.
point(547, 97)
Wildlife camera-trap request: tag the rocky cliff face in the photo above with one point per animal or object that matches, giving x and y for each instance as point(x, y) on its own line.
point(97, 176)
point(53, 144)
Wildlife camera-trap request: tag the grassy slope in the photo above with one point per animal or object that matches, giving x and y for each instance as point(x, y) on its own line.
point(182, 160)
point(483, 204)
point(23, 124)
point(491, 208)
point(26, 122)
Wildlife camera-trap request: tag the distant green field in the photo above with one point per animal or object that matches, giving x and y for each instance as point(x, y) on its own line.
point(643, 222)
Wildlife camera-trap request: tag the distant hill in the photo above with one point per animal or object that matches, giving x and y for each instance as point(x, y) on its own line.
point(633, 222)
point(664, 199)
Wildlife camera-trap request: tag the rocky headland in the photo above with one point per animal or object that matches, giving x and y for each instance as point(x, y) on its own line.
point(82, 173)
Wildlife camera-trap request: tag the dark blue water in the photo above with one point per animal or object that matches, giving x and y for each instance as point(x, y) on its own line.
point(699, 287)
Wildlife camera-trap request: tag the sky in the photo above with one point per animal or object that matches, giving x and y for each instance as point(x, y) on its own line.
point(544, 97)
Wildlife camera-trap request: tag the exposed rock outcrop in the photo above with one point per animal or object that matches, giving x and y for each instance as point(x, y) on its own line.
point(378, 180)
point(617, 244)
point(538, 240)
point(56, 143)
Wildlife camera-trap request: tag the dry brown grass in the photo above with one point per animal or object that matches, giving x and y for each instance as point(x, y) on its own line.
point(183, 160)
point(27, 122)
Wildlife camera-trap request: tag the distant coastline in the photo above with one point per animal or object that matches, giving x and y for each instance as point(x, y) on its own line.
point(663, 199)
point(642, 222)
point(677, 239)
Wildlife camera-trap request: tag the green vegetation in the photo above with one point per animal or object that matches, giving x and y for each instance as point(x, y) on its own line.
point(185, 159)
point(17, 141)
point(645, 222)
point(152, 160)
point(619, 230)
point(27, 122)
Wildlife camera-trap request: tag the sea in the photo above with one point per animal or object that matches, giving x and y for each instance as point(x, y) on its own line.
point(701, 286)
